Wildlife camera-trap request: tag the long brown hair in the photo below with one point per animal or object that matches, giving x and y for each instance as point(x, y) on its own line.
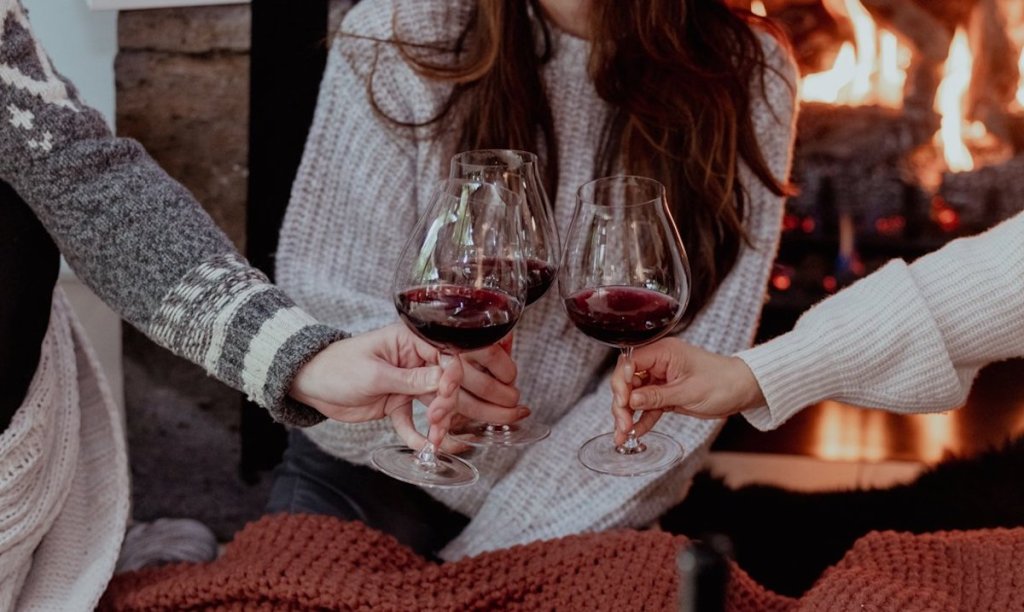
point(677, 75)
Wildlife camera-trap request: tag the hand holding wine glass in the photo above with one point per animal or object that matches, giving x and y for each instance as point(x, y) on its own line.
point(371, 375)
point(681, 378)
point(460, 285)
point(624, 281)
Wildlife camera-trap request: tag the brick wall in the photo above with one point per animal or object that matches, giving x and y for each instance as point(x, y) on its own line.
point(183, 91)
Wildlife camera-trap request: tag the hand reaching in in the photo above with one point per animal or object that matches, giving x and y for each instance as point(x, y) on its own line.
point(673, 376)
point(379, 373)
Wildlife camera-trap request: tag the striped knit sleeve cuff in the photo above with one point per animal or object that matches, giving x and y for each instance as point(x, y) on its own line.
point(793, 374)
point(225, 316)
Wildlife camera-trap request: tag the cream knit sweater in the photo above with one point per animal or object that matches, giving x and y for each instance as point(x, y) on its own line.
point(909, 339)
point(64, 487)
point(358, 193)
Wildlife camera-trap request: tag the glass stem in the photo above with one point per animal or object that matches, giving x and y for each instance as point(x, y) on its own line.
point(627, 352)
point(427, 457)
point(632, 445)
point(627, 355)
point(491, 429)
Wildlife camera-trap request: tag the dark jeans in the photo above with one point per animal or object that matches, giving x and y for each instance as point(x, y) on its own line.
point(29, 262)
point(312, 481)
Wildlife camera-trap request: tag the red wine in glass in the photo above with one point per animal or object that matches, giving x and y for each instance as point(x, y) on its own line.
point(519, 172)
point(458, 318)
point(460, 284)
point(623, 316)
point(624, 281)
point(539, 276)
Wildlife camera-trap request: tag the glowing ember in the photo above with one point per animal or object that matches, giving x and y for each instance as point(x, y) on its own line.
point(757, 7)
point(950, 104)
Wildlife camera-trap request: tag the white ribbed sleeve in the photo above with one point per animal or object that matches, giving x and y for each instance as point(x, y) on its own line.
point(908, 339)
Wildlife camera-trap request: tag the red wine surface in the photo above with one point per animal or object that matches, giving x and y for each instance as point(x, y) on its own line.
point(458, 318)
point(622, 316)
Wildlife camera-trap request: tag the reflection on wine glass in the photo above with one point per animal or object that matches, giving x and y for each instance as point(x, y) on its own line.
point(519, 172)
point(625, 281)
point(461, 286)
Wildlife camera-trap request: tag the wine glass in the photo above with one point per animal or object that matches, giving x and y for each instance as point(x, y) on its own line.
point(625, 282)
point(519, 172)
point(461, 286)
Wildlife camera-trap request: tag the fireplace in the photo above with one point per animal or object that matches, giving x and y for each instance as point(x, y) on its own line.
point(911, 133)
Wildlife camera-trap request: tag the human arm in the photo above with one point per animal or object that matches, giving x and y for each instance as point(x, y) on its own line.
point(146, 247)
point(907, 338)
point(547, 493)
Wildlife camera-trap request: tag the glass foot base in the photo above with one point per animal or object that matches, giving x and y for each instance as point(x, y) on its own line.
point(520, 433)
point(402, 463)
point(655, 452)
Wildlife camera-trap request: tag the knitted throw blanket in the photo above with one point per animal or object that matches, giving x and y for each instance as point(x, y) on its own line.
point(294, 562)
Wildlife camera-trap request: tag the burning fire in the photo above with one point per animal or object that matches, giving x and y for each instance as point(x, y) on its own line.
point(853, 434)
point(950, 104)
point(871, 71)
point(1020, 86)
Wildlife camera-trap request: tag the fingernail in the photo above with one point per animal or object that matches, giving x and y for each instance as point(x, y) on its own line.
point(435, 377)
point(445, 360)
point(523, 412)
point(638, 400)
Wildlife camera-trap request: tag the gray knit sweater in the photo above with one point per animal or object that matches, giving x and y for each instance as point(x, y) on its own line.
point(139, 239)
point(359, 190)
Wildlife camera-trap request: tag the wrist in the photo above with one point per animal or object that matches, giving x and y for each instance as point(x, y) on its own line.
point(749, 393)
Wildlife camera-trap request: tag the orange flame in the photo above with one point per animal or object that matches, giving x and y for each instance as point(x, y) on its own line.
point(845, 433)
point(1020, 86)
point(871, 71)
point(950, 104)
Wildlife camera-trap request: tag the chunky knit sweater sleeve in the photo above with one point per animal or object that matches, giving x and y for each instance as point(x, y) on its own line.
point(907, 338)
point(139, 239)
point(547, 494)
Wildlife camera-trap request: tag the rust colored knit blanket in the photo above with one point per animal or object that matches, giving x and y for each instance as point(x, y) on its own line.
point(295, 562)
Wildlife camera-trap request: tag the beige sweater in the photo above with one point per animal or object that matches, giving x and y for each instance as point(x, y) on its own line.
point(358, 192)
point(908, 339)
point(64, 487)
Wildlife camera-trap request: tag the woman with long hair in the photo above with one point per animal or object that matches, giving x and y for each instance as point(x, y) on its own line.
point(688, 92)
